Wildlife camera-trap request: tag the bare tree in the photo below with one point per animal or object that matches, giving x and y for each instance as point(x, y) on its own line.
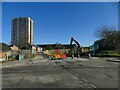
point(104, 31)
point(109, 37)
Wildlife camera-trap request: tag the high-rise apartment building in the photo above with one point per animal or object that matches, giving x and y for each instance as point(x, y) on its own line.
point(22, 31)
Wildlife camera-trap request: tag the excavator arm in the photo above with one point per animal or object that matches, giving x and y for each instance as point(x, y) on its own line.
point(78, 52)
point(75, 42)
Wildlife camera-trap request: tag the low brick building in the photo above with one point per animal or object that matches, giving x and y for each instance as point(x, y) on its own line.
point(4, 48)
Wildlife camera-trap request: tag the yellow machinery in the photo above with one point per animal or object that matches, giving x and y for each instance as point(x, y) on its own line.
point(55, 54)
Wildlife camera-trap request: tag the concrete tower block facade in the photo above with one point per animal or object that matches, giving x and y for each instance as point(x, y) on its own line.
point(22, 31)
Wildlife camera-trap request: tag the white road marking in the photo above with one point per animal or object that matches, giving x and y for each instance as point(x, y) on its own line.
point(77, 75)
point(75, 78)
point(93, 85)
point(100, 66)
point(84, 79)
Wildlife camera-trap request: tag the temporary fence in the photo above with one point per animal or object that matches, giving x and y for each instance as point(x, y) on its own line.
point(12, 54)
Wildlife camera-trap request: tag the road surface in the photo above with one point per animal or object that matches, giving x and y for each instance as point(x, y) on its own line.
point(64, 73)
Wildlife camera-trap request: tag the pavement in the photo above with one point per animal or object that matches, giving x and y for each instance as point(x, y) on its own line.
point(98, 72)
point(40, 72)
point(2, 59)
point(114, 60)
point(45, 74)
point(110, 59)
point(38, 58)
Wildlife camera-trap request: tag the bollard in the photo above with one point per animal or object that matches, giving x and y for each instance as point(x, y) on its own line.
point(72, 56)
point(89, 55)
point(78, 55)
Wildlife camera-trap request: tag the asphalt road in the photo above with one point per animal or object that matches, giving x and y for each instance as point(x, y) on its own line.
point(65, 73)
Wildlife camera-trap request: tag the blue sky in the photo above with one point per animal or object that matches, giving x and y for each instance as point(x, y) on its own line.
point(58, 22)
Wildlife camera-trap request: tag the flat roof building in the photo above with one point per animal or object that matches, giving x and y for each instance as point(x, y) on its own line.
point(22, 31)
